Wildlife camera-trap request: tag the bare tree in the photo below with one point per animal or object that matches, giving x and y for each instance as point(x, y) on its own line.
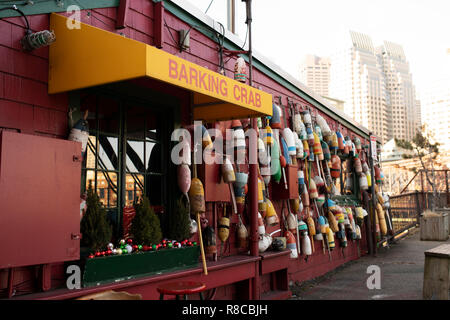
point(427, 152)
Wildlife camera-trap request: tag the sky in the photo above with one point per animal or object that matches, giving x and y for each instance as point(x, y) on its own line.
point(285, 31)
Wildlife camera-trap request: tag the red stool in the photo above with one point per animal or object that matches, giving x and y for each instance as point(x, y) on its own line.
point(181, 288)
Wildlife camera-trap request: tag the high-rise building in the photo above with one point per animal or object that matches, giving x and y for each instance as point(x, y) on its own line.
point(315, 73)
point(376, 87)
point(436, 106)
point(403, 108)
point(356, 77)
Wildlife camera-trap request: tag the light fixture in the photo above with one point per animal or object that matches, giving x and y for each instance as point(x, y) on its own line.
point(33, 40)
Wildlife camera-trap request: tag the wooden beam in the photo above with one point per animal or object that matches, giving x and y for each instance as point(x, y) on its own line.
point(158, 24)
point(122, 13)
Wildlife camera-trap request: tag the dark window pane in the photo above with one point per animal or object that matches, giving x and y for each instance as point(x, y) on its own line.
point(153, 157)
point(108, 115)
point(155, 189)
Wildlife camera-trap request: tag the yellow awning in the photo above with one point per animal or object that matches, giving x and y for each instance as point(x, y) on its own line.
point(89, 56)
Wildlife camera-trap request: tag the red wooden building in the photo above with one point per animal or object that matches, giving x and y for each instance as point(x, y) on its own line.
point(115, 72)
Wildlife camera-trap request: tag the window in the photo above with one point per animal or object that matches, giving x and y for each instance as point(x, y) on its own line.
point(126, 156)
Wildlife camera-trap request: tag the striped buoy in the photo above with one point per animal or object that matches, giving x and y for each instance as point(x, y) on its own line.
point(240, 70)
point(291, 244)
point(301, 180)
point(288, 136)
point(359, 216)
point(325, 151)
point(268, 135)
point(330, 237)
point(334, 144)
point(223, 225)
point(322, 226)
point(313, 194)
point(317, 147)
point(340, 140)
point(319, 182)
point(285, 152)
point(261, 203)
point(335, 166)
point(305, 149)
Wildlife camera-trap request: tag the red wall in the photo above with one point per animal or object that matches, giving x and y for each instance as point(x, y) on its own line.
point(26, 107)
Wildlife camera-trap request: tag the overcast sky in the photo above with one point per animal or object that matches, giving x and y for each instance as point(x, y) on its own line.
point(286, 30)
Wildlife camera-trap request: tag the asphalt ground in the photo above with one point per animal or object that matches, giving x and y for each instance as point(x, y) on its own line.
point(401, 267)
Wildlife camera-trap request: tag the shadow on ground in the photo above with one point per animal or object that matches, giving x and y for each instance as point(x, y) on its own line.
point(401, 267)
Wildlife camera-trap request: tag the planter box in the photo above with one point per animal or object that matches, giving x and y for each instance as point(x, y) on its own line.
point(111, 269)
point(434, 228)
point(445, 210)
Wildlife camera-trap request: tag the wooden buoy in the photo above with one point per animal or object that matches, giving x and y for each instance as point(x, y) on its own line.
point(334, 145)
point(335, 167)
point(330, 237)
point(324, 127)
point(184, 178)
point(305, 196)
point(223, 227)
point(292, 223)
point(242, 235)
point(357, 142)
point(240, 70)
point(261, 201)
point(209, 240)
point(275, 121)
point(381, 219)
point(197, 196)
point(326, 151)
point(313, 194)
point(340, 140)
point(306, 244)
point(300, 153)
point(318, 131)
point(332, 222)
point(305, 149)
point(288, 136)
point(359, 216)
point(357, 164)
point(261, 226)
point(271, 214)
point(310, 135)
point(306, 117)
point(291, 244)
point(275, 162)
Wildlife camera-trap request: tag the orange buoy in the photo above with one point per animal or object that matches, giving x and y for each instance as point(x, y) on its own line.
point(197, 196)
point(340, 140)
point(291, 244)
point(313, 194)
point(335, 166)
point(271, 214)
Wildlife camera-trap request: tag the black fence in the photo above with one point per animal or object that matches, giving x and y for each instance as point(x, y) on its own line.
point(406, 208)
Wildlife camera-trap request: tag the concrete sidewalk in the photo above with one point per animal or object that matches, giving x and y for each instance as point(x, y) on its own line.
point(401, 267)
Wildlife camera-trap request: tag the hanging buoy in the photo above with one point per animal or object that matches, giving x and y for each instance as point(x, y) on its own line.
point(359, 216)
point(288, 136)
point(261, 226)
point(305, 196)
point(206, 139)
point(275, 121)
point(381, 219)
point(305, 149)
point(301, 180)
point(340, 140)
point(313, 194)
point(275, 162)
point(318, 131)
point(197, 196)
point(325, 151)
point(242, 234)
point(271, 214)
point(335, 166)
point(80, 131)
point(292, 223)
point(334, 143)
point(326, 131)
point(240, 70)
point(347, 145)
point(264, 242)
point(306, 244)
point(261, 203)
point(363, 184)
point(322, 226)
point(268, 135)
point(291, 244)
point(332, 222)
point(330, 237)
point(298, 124)
point(299, 147)
point(357, 164)
point(317, 147)
point(295, 205)
point(306, 117)
point(358, 232)
point(262, 153)
point(311, 225)
point(357, 142)
point(228, 171)
point(310, 135)
point(184, 178)
point(223, 226)
point(209, 240)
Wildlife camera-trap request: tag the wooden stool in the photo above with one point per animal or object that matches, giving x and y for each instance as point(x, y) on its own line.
point(181, 288)
point(436, 275)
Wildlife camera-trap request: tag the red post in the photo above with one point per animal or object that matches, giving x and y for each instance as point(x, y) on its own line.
point(122, 12)
point(158, 24)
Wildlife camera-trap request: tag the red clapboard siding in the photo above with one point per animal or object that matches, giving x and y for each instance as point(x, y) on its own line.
point(16, 115)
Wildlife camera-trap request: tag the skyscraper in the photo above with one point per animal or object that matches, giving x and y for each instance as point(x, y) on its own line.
point(315, 73)
point(376, 87)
